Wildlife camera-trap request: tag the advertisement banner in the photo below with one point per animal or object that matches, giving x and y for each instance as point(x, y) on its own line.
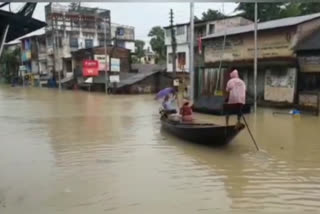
point(114, 78)
point(102, 61)
point(115, 65)
point(90, 68)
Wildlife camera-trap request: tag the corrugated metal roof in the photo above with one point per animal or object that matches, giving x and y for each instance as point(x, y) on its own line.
point(265, 25)
point(310, 43)
point(144, 72)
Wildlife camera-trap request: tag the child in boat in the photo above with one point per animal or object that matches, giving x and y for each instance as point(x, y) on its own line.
point(186, 112)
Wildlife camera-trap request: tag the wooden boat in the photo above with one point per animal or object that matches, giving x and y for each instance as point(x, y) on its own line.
point(202, 133)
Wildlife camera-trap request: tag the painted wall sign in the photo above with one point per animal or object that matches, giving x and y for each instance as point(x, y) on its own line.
point(241, 47)
point(115, 65)
point(102, 61)
point(90, 68)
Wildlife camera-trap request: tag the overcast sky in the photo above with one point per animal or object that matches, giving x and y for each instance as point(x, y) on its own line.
point(143, 16)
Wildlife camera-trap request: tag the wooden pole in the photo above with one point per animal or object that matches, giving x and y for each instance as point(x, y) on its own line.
point(255, 54)
point(191, 52)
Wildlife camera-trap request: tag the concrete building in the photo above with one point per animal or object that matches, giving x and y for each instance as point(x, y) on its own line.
point(71, 29)
point(201, 28)
point(278, 67)
point(124, 34)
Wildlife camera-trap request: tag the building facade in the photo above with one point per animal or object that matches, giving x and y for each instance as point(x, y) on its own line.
point(201, 28)
point(278, 67)
point(124, 35)
point(71, 29)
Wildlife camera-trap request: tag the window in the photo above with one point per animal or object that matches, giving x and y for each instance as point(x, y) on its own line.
point(74, 43)
point(88, 43)
point(180, 30)
point(101, 42)
point(181, 60)
point(211, 28)
point(170, 58)
point(120, 31)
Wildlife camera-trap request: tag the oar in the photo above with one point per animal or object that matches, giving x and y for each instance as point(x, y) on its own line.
point(254, 141)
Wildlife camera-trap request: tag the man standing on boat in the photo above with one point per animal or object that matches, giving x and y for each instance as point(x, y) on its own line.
point(237, 95)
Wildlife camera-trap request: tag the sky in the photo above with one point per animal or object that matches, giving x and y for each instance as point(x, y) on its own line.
point(143, 16)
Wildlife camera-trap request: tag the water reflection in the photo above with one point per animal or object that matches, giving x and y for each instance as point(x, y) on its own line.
point(76, 152)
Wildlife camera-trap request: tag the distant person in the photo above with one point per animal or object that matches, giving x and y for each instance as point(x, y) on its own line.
point(237, 95)
point(186, 112)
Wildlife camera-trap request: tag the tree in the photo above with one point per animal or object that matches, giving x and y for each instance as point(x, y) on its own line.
point(266, 11)
point(290, 10)
point(10, 61)
point(212, 15)
point(74, 6)
point(157, 42)
point(139, 49)
point(271, 11)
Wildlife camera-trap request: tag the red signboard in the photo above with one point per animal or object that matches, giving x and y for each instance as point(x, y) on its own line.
point(90, 68)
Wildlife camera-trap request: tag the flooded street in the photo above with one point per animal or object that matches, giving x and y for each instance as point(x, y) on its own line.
point(77, 153)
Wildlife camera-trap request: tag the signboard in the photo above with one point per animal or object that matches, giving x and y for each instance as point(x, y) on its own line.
point(176, 82)
point(309, 63)
point(280, 85)
point(90, 68)
point(102, 61)
point(241, 47)
point(115, 65)
point(114, 78)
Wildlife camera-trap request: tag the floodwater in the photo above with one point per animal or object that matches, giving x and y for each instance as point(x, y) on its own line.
point(77, 153)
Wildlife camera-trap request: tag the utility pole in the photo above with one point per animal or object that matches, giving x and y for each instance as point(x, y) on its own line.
point(106, 56)
point(191, 52)
point(173, 44)
point(255, 54)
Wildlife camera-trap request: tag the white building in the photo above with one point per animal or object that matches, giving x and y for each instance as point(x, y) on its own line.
point(125, 37)
point(70, 29)
point(201, 28)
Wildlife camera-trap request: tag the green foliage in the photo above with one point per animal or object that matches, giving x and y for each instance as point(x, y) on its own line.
point(271, 11)
point(212, 15)
point(10, 61)
point(139, 49)
point(157, 42)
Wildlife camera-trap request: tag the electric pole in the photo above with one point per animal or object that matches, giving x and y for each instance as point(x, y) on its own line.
point(173, 44)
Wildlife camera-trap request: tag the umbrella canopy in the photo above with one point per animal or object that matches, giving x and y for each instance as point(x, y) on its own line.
point(165, 92)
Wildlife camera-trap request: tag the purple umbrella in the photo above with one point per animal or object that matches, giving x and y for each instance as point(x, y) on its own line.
point(165, 92)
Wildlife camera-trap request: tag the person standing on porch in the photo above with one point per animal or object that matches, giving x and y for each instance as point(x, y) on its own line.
point(237, 94)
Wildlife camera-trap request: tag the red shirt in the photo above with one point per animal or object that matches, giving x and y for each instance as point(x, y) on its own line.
point(185, 110)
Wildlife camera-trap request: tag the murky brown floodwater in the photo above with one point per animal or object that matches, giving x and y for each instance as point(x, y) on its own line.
point(78, 153)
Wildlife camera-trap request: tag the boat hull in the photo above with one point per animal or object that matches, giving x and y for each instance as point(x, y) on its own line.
point(208, 134)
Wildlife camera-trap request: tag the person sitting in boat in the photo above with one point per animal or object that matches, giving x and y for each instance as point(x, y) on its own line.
point(186, 112)
point(237, 94)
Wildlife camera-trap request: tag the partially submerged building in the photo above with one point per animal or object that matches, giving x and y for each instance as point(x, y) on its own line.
point(201, 28)
point(279, 41)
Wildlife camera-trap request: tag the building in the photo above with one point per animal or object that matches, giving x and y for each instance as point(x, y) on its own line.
point(149, 57)
point(124, 35)
point(71, 29)
point(120, 55)
point(278, 67)
point(201, 28)
point(33, 54)
point(146, 79)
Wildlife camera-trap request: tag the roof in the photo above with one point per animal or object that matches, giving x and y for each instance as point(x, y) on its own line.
point(310, 43)
point(145, 70)
point(19, 25)
point(279, 23)
point(201, 21)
